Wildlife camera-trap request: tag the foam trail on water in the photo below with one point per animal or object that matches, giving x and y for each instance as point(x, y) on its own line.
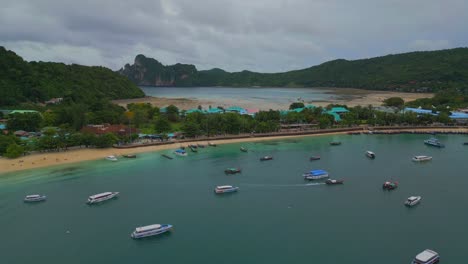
point(283, 185)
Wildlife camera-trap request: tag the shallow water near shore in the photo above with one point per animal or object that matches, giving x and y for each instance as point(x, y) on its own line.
point(276, 217)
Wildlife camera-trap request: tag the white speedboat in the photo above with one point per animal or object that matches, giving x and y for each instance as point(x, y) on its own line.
point(226, 189)
point(35, 198)
point(421, 158)
point(101, 197)
point(180, 152)
point(426, 257)
point(111, 158)
point(413, 200)
point(370, 154)
point(150, 230)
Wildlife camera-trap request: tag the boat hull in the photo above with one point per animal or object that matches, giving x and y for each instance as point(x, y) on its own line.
point(413, 202)
point(163, 229)
point(315, 177)
point(102, 199)
point(333, 182)
point(35, 200)
point(421, 159)
point(218, 191)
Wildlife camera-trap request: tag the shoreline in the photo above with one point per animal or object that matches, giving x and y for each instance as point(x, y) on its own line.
point(348, 96)
point(49, 159)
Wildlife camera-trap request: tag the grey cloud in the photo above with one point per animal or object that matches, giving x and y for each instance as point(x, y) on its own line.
point(259, 35)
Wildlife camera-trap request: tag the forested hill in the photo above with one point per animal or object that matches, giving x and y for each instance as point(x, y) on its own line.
point(22, 81)
point(414, 71)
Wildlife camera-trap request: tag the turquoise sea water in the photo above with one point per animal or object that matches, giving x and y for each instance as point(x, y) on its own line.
point(276, 217)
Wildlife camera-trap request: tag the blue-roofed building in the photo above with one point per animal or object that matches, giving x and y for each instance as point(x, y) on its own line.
point(163, 110)
point(419, 111)
point(193, 110)
point(214, 111)
point(339, 110)
point(336, 116)
point(236, 109)
point(2, 126)
point(459, 117)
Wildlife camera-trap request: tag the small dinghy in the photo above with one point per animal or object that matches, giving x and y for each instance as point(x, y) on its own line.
point(314, 158)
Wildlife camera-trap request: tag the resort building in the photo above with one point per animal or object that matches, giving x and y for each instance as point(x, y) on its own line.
point(236, 109)
point(108, 128)
point(459, 117)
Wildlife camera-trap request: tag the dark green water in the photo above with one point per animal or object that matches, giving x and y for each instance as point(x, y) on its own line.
point(274, 218)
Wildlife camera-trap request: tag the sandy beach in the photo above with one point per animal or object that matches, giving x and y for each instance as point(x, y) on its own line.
point(349, 96)
point(40, 160)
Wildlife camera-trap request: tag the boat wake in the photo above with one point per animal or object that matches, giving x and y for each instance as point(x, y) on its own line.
point(283, 185)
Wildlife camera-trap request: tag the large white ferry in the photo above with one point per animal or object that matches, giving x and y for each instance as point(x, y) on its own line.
point(422, 158)
point(150, 230)
point(101, 197)
point(226, 189)
point(35, 198)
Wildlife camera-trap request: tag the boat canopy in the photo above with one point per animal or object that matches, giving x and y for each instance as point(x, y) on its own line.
point(147, 228)
point(318, 172)
point(99, 195)
point(33, 196)
point(180, 151)
point(412, 198)
point(426, 255)
point(224, 187)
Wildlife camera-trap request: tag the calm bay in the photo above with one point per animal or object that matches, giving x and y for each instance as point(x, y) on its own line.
point(276, 217)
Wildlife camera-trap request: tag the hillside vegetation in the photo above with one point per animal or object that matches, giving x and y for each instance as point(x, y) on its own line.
point(22, 81)
point(414, 71)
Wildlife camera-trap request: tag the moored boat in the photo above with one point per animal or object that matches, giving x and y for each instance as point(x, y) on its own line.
point(315, 175)
point(166, 156)
point(332, 182)
point(335, 143)
point(180, 152)
point(35, 198)
point(243, 149)
point(465, 143)
point(370, 154)
point(150, 230)
point(421, 158)
point(211, 144)
point(226, 189)
point(130, 156)
point(426, 257)
point(314, 158)
point(193, 149)
point(101, 197)
point(390, 185)
point(111, 158)
point(413, 200)
point(201, 145)
point(434, 142)
point(232, 170)
point(266, 158)
point(193, 146)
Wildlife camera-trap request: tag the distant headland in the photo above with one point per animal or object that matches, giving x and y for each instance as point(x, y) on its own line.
point(422, 71)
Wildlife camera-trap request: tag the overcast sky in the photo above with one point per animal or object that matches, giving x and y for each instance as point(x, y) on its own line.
point(257, 35)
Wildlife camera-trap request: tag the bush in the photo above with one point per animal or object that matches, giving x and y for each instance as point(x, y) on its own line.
point(14, 151)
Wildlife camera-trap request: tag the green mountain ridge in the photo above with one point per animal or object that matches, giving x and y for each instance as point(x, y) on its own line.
point(413, 71)
point(22, 81)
